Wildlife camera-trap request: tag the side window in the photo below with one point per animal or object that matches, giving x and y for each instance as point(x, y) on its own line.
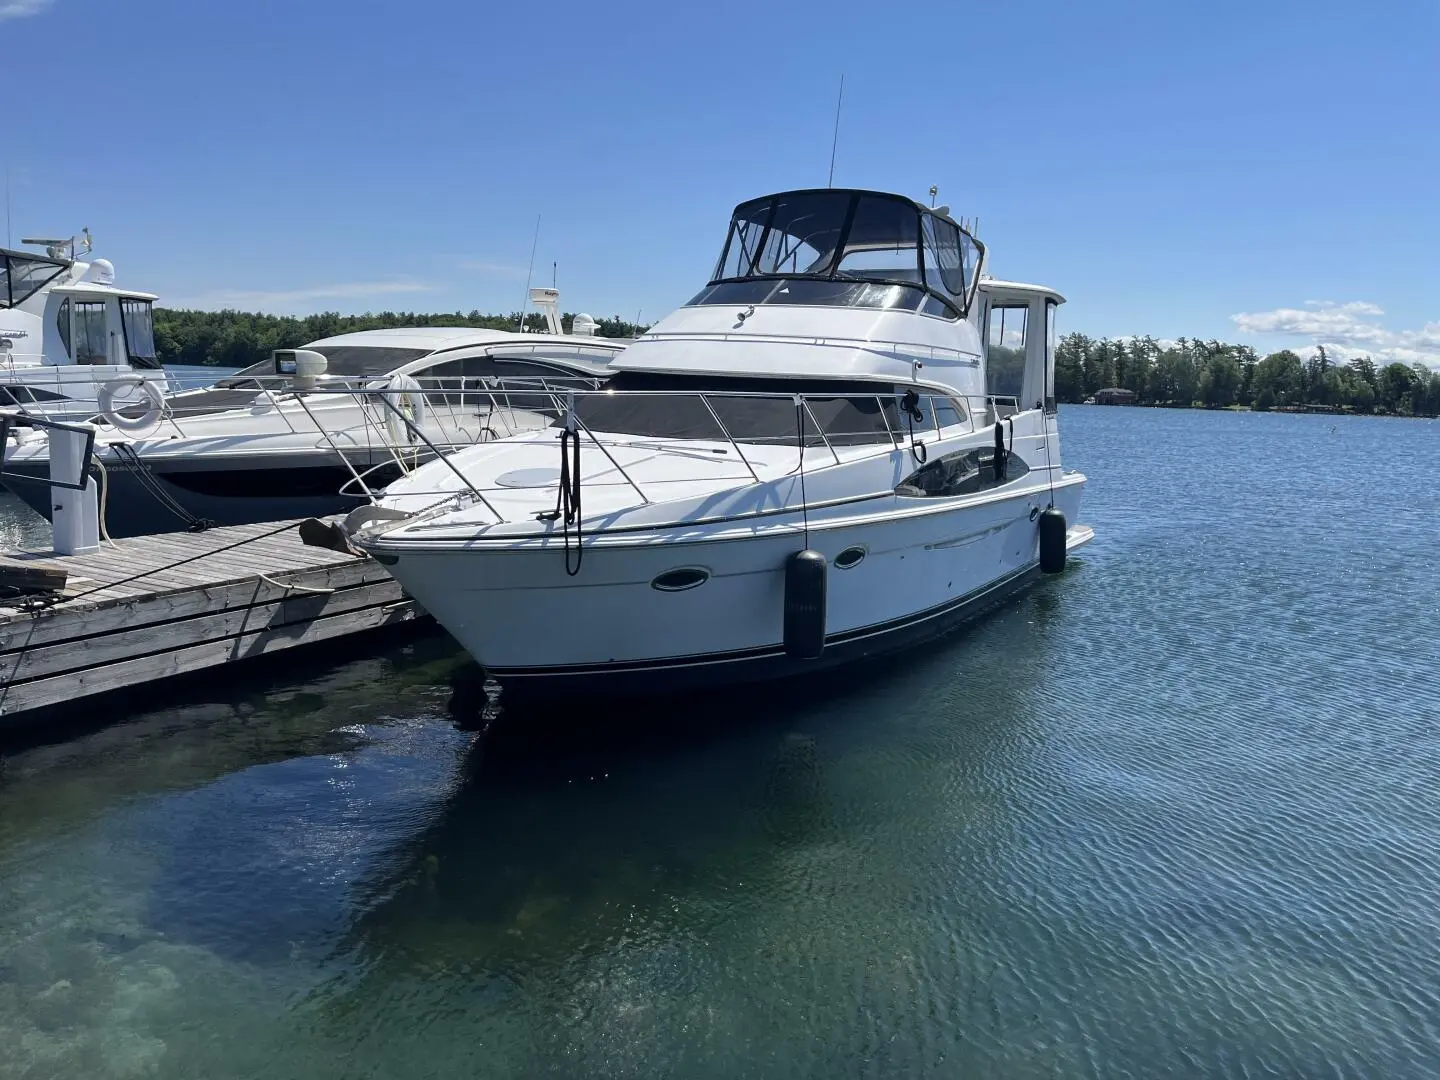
point(62, 324)
point(138, 322)
point(935, 306)
point(949, 413)
point(943, 269)
point(442, 382)
point(91, 344)
point(1005, 349)
point(964, 472)
point(855, 421)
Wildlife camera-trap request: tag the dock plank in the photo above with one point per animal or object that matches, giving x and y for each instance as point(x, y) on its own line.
point(25, 696)
point(146, 608)
point(93, 616)
point(19, 665)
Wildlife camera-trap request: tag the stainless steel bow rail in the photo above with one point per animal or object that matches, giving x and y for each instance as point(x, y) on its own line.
point(560, 403)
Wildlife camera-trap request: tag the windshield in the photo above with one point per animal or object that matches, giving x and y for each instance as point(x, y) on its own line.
point(843, 237)
point(21, 275)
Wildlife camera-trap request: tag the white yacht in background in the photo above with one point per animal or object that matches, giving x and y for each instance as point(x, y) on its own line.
point(67, 331)
point(272, 442)
point(801, 466)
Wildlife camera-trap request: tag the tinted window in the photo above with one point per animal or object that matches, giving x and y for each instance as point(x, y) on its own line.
point(746, 415)
point(812, 293)
point(62, 324)
point(962, 473)
point(948, 413)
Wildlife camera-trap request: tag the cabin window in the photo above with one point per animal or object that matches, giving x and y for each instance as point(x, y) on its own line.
point(91, 341)
point(748, 417)
point(138, 321)
point(949, 413)
point(62, 325)
point(964, 472)
point(1005, 349)
point(810, 292)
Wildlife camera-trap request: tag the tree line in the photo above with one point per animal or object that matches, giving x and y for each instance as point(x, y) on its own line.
point(1190, 372)
point(235, 339)
point(1217, 375)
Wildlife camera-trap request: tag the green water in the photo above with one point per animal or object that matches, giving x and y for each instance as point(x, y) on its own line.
point(1173, 814)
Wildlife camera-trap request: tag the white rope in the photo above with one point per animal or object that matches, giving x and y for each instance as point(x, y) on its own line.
point(284, 587)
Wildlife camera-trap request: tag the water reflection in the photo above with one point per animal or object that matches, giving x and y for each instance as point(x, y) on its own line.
point(1170, 815)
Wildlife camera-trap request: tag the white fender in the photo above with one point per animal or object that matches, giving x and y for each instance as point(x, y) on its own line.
point(147, 421)
point(412, 403)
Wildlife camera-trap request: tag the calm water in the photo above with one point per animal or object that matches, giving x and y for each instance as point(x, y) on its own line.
point(1174, 814)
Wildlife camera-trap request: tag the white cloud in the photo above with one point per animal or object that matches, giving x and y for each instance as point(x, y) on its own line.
point(347, 290)
point(1347, 330)
point(18, 9)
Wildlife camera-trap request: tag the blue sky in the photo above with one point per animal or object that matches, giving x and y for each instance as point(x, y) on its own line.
point(1168, 166)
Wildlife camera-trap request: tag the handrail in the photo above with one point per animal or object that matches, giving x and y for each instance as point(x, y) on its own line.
point(413, 429)
point(509, 403)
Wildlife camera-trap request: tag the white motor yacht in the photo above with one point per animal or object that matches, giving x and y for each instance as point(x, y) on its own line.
point(67, 331)
point(272, 442)
point(801, 466)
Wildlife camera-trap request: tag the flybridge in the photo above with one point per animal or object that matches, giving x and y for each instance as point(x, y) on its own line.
point(825, 245)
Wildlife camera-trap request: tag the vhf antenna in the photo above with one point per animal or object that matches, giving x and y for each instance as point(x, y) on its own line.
point(835, 139)
point(530, 273)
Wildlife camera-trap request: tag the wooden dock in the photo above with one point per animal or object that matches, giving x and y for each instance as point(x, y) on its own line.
point(152, 607)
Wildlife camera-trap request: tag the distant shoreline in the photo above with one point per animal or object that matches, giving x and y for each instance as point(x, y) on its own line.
point(1292, 410)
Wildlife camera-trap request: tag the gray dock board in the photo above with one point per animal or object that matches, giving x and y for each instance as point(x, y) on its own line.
point(130, 615)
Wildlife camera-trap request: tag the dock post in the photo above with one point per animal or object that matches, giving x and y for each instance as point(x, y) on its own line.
point(74, 510)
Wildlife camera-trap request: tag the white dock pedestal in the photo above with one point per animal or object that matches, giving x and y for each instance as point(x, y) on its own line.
point(74, 514)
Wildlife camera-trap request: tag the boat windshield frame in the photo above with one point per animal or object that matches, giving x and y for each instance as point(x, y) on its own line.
point(856, 219)
point(24, 273)
point(386, 360)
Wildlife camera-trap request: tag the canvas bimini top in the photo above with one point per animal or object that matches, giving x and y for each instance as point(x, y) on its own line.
point(846, 247)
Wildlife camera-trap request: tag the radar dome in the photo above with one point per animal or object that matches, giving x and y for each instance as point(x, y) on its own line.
point(102, 272)
point(583, 325)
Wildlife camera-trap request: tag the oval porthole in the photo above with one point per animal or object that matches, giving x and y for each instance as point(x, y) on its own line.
point(851, 556)
point(687, 577)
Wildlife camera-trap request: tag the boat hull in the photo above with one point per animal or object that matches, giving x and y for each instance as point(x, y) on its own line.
point(541, 632)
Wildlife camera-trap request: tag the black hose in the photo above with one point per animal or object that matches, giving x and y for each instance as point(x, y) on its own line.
point(910, 406)
point(567, 498)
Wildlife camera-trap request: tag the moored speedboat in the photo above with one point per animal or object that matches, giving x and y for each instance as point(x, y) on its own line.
point(802, 465)
point(258, 447)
